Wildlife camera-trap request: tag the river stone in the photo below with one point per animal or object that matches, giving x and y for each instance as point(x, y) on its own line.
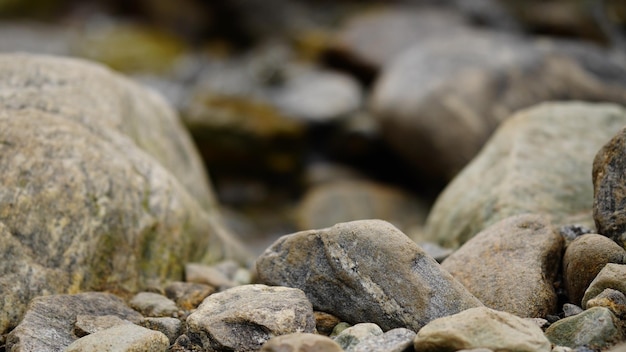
point(394, 340)
point(125, 338)
point(152, 304)
point(170, 327)
point(596, 328)
point(511, 266)
point(301, 342)
point(481, 327)
point(82, 207)
point(583, 260)
point(243, 318)
point(439, 101)
point(325, 322)
point(346, 269)
point(353, 335)
point(48, 324)
point(538, 161)
point(612, 299)
point(188, 295)
point(88, 324)
point(611, 276)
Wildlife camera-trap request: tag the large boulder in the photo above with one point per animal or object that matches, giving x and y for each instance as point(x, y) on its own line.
point(83, 206)
point(539, 161)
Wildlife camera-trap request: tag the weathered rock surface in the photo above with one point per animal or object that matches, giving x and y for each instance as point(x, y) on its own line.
point(125, 338)
point(365, 271)
point(596, 328)
point(353, 335)
point(611, 276)
point(188, 295)
point(511, 266)
point(583, 260)
point(152, 304)
point(301, 342)
point(481, 328)
point(612, 299)
point(394, 340)
point(243, 318)
point(537, 162)
point(439, 102)
point(84, 205)
point(48, 323)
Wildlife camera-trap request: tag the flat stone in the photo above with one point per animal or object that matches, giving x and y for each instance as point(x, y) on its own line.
point(49, 320)
point(394, 340)
point(481, 327)
point(611, 276)
point(511, 266)
point(188, 295)
point(365, 271)
point(170, 327)
point(536, 162)
point(596, 328)
point(123, 338)
point(301, 342)
point(583, 260)
point(243, 318)
point(153, 305)
point(353, 335)
point(88, 324)
point(612, 299)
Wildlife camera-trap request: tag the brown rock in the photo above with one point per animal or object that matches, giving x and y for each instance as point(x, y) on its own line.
point(325, 323)
point(188, 295)
point(301, 342)
point(612, 299)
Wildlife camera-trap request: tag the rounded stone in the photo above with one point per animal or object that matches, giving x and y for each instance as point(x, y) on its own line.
point(301, 342)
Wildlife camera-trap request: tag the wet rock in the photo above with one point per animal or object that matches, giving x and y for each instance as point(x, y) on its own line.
point(170, 327)
point(394, 340)
point(596, 328)
point(325, 323)
point(345, 269)
point(583, 260)
point(481, 328)
point(353, 335)
point(511, 266)
point(440, 101)
point(538, 148)
point(49, 321)
point(611, 276)
point(612, 299)
point(126, 338)
point(243, 318)
point(342, 201)
point(88, 324)
point(153, 305)
point(300, 342)
point(188, 295)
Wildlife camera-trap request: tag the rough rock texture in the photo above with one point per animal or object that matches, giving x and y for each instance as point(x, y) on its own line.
point(481, 327)
point(394, 340)
point(126, 338)
point(365, 271)
point(596, 328)
point(612, 299)
point(353, 335)
point(611, 276)
point(301, 342)
point(88, 324)
point(538, 161)
point(152, 304)
point(609, 186)
point(188, 295)
point(170, 327)
point(49, 321)
point(440, 101)
point(511, 266)
point(82, 207)
point(583, 260)
point(243, 318)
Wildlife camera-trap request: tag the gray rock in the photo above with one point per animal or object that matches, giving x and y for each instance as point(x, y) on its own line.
point(571, 310)
point(611, 276)
point(170, 327)
point(353, 335)
point(596, 328)
point(511, 266)
point(301, 342)
point(243, 318)
point(612, 299)
point(153, 305)
point(583, 260)
point(49, 321)
point(571, 232)
point(88, 324)
point(536, 162)
point(188, 295)
point(365, 271)
point(124, 338)
point(394, 340)
point(481, 328)
point(82, 206)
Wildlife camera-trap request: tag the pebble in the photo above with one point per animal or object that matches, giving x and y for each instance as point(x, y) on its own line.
point(596, 328)
point(188, 295)
point(325, 322)
point(611, 276)
point(394, 340)
point(88, 324)
point(353, 335)
point(153, 305)
point(301, 342)
point(571, 309)
point(121, 338)
point(614, 300)
point(208, 275)
point(170, 327)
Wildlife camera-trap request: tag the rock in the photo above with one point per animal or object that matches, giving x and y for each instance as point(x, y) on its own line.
point(583, 260)
point(49, 321)
point(394, 340)
point(570, 310)
point(571, 232)
point(170, 327)
point(481, 327)
point(188, 295)
point(243, 318)
point(153, 305)
point(537, 149)
point(345, 269)
point(88, 324)
point(609, 190)
point(300, 342)
point(611, 276)
point(325, 322)
point(208, 275)
point(596, 328)
point(434, 250)
point(123, 338)
point(614, 300)
point(618, 348)
point(83, 207)
point(353, 335)
point(339, 328)
point(440, 101)
point(348, 200)
point(511, 266)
